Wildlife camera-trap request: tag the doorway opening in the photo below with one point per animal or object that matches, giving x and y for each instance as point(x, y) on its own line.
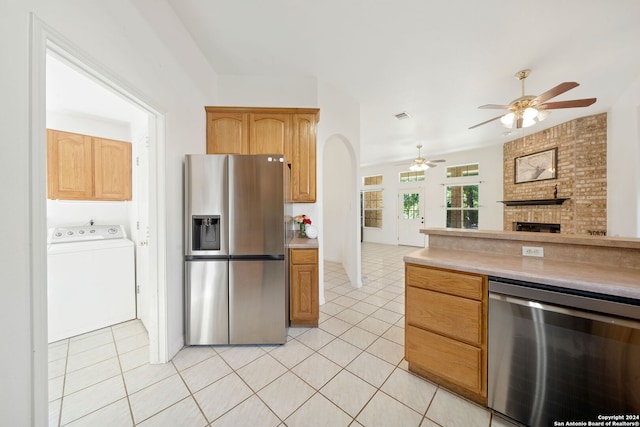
point(149, 211)
point(341, 213)
point(80, 99)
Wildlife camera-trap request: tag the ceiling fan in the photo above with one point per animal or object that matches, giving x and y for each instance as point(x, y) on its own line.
point(528, 109)
point(421, 164)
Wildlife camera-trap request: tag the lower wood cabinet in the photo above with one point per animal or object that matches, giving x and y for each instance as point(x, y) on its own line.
point(303, 295)
point(446, 328)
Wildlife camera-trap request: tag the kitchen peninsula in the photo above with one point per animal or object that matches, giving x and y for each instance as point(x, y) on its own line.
point(607, 265)
point(453, 294)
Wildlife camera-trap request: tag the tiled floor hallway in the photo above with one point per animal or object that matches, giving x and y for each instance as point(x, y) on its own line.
point(347, 372)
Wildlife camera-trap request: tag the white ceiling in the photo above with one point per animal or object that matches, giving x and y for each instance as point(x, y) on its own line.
point(436, 60)
point(71, 91)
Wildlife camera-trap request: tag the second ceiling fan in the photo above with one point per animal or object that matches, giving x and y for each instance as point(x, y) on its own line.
point(528, 109)
point(421, 164)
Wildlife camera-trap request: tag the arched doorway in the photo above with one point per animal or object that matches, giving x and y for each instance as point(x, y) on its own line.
point(341, 207)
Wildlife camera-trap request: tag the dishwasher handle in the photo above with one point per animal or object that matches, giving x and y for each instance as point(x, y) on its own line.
point(606, 318)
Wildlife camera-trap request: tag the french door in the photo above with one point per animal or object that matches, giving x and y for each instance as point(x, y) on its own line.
point(411, 217)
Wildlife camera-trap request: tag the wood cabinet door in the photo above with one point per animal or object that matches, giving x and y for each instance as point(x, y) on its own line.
point(270, 134)
point(112, 169)
point(450, 282)
point(227, 133)
point(303, 164)
point(69, 166)
point(304, 294)
point(452, 360)
point(448, 315)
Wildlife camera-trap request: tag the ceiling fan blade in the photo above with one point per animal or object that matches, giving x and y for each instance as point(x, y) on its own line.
point(436, 161)
point(494, 106)
point(486, 121)
point(553, 92)
point(569, 104)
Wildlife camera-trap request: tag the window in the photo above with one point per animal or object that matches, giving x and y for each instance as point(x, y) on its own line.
point(412, 176)
point(372, 180)
point(462, 170)
point(462, 206)
point(372, 204)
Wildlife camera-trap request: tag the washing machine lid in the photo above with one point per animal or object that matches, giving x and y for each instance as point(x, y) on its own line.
point(84, 233)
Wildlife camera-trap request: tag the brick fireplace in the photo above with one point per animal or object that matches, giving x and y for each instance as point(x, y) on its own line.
point(581, 171)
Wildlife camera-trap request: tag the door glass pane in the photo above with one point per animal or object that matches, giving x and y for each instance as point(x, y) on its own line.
point(411, 206)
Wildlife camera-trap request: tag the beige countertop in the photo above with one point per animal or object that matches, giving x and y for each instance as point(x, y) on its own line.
point(624, 282)
point(303, 243)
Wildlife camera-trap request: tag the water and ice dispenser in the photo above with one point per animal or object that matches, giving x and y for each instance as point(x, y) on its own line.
point(206, 232)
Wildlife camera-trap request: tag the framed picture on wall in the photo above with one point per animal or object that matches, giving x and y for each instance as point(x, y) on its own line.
point(536, 167)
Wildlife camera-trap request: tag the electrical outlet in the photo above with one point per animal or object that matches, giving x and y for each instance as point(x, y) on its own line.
point(533, 251)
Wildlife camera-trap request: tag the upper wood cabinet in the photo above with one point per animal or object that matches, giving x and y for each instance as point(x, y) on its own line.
point(227, 132)
point(83, 167)
point(303, 164)
point(270, 133)
point(69, 166)
point(288, 131)
point(111, 169)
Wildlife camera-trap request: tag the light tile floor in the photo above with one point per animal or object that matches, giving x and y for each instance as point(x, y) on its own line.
point(347, 372)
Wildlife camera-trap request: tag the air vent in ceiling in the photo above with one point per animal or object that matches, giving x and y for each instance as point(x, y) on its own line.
point(402, 116)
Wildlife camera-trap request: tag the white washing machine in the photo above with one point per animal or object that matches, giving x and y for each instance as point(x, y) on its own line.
point(90, 279)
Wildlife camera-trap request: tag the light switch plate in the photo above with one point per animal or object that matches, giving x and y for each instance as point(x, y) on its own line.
point(537, 251)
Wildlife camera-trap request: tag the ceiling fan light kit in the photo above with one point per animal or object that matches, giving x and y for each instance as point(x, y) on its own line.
point(529, 110)
point(421, 164)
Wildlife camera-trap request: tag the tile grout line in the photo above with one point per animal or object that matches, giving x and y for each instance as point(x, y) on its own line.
point(124, 383)
point(64, 383)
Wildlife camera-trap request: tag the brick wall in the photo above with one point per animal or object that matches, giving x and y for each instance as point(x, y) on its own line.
point(581, 177)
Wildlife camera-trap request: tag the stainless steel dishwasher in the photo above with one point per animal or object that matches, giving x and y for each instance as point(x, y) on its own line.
point(558, 355)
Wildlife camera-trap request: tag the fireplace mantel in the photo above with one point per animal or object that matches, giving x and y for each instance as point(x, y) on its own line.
point(556, 201)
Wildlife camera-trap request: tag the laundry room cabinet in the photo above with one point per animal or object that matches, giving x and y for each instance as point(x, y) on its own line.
point(287, 131)
point(84, 167)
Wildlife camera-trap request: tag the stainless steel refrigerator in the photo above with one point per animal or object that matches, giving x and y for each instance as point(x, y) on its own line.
point(236, 237)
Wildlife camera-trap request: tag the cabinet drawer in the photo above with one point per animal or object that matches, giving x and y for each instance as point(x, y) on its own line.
point(451, 360)
point(461, 284)
point(455, 317)
point(304, 256)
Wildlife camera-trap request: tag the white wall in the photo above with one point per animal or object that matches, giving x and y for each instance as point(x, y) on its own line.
point(337, 195)
point(340, 118)
point(151, 54)
point(339, 115)
point(490, 179)
point(263, 91)
point(623, 165)
point(271, 91)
